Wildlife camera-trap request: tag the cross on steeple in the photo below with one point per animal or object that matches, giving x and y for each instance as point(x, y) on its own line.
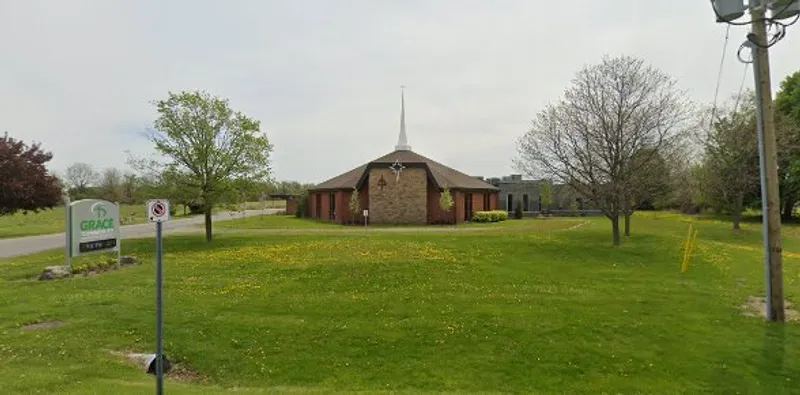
point(402, 141)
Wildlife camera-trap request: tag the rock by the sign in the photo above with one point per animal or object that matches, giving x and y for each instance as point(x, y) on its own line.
point(54, 273)
point(128, 260)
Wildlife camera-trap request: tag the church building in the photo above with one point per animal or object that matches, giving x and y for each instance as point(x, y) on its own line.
point(402, 187)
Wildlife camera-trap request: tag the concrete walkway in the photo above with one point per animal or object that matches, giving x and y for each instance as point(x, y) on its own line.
point(28, 245)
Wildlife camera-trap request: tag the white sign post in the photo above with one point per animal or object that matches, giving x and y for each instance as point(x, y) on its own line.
point(366, 216)
point(158, 213)
point(92, 226)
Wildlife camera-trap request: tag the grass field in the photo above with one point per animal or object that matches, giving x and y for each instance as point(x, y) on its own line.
point(525, 306)
point(52, 221)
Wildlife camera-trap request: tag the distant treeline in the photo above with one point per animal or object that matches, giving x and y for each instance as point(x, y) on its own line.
point(84, 182)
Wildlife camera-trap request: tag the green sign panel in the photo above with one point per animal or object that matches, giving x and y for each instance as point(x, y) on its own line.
point(94, 226)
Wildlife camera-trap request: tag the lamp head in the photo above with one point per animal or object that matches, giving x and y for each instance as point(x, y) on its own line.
point(784, 9)
point(728, 10)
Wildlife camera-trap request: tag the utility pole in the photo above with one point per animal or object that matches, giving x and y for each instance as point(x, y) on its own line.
point(728, 11)
point(768, 155)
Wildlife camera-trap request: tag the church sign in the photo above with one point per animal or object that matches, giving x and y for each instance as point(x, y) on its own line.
point(93, 226)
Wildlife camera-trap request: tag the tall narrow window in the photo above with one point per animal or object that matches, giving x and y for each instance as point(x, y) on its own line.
point(509, 202)
point(468, 207)
point(525, 202)
point(332, 206)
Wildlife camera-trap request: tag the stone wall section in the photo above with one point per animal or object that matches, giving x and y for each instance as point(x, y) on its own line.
point(399, 201)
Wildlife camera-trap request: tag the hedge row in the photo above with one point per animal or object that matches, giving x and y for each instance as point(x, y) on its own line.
point(490, 216)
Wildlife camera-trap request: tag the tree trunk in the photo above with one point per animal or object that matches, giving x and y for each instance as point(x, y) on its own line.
point(788, 208)
point(615, 228)
point(208, 225)
point(737, 217)
point(627, 224)
point(737, 211)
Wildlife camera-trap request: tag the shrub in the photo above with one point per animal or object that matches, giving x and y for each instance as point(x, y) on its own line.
point(302, 205)
point(446, 200)
point(518, 211)
point(195, 207)
point(490, 216)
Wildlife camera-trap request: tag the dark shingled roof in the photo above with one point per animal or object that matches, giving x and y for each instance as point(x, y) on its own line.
point(441, 175)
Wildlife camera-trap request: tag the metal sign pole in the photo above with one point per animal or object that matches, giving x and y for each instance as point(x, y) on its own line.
point(159, 312)
point(119, 229)
point(68, 232)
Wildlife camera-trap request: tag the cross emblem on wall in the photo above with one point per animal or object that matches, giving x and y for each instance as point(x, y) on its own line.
point(397, 168)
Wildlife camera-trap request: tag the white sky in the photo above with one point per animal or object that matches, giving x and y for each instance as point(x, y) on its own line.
point(323, 76)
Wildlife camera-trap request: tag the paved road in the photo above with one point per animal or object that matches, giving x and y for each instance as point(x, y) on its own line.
point(28, 245)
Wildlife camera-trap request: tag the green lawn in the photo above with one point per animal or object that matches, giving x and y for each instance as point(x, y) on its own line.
point(277, 222)
point(544, 306)
point(52, 221)
point(280, 222)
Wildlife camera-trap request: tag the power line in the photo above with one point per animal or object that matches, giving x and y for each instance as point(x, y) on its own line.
point(719, 76)
point(741, 88)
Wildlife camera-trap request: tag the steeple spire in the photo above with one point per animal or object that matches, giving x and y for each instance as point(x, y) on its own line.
point(402, 141)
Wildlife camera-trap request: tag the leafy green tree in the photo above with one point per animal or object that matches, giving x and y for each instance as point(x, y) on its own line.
point(302, 204)
point(687, 188)
point(210, 145)
point(110, 185)
point(131, 189)
point(446, 200)
point(731, 158)
point(355, 204)
point(787, 124)
point(787, 101)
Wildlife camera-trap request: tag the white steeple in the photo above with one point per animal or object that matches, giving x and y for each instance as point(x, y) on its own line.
point(402, 142)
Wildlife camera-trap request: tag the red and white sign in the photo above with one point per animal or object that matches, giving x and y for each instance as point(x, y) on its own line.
point(158, 210)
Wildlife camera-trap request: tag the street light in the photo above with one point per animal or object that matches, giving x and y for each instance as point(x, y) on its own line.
point(728, 11)
point(784, 9)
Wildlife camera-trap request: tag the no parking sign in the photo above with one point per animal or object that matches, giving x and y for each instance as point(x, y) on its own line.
point(158, 210)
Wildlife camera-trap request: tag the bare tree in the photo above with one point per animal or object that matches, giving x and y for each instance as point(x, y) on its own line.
point(649, 184)
point(613, 111)
point(80, 176)
point(731, 160)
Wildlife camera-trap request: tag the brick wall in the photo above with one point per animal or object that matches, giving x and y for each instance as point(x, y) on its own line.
point(291, 207)
point(435, 213)
point(342, 207)
point(398, 202)
point(324, 208)
point(344, 215)
point(458, 199)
